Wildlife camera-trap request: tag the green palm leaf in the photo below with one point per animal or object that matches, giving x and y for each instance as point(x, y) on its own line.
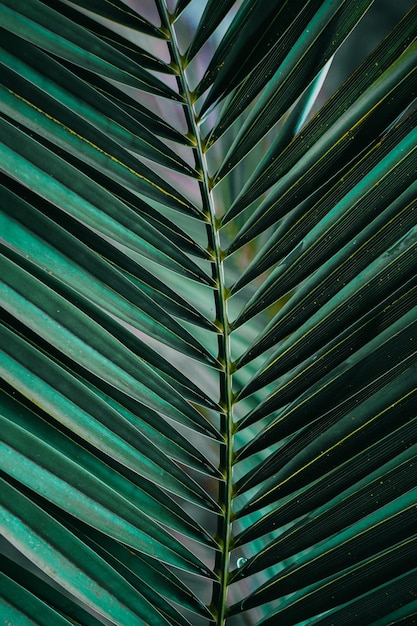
point(208, 315)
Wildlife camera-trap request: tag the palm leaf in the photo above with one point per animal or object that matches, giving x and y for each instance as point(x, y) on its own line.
point(208, 323)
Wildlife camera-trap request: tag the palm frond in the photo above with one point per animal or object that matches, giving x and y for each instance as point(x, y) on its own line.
point(208, 324)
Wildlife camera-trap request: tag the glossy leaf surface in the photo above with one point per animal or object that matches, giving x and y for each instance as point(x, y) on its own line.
point(208, 330)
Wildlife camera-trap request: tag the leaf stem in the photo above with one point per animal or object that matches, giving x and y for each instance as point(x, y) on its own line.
point(224, 536)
